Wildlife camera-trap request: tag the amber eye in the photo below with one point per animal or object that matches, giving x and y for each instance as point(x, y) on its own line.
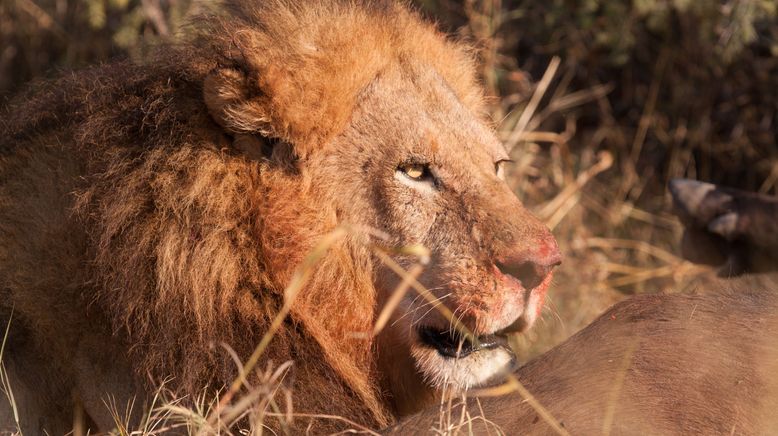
point(414, 171)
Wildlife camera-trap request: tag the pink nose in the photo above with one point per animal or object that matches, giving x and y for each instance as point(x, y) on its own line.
point(531, 265)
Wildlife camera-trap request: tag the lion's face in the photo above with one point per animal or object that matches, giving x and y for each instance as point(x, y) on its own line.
point(416, 164)
point(380, 115)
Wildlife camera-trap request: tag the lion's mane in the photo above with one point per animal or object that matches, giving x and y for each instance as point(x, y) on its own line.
point(189, 242)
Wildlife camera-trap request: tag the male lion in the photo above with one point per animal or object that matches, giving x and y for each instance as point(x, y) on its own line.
point(150, 212)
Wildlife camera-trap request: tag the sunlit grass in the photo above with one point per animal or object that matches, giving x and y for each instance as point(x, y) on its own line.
point(5, 381)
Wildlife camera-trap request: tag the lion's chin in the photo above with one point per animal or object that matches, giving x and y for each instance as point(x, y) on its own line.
point(473, 369)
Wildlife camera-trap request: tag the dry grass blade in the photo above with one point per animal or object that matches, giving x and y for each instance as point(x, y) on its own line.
point(556, 138)
point(189, 416)
point(396, 298)
point(682, 271)
point(481, 411)
point(464, 425)
point(648, 109)
point(120, 421)
point(511, 385)
point(578, 98)
point(571, 100)
point(5, 385)
point(79, 418)
point(771, 181)
point(154, 13)
point(5, 382)
point(155, 416)
point(356, 428)
point(43, 18)
point(5, 335)
point(604, 162)
point(640, 276)
point(299, 278)
point(630, 244)
point(618, 268)
point(647, 217)
point(427, 295)
point(236, 359)
point(423, 254)
point(607, 422)
point(270, 383)
point(529, 110)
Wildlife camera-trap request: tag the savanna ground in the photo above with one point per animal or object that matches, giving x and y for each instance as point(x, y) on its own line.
point(601, 102)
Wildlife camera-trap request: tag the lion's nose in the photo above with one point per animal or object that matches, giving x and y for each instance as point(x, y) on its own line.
point(531, 266)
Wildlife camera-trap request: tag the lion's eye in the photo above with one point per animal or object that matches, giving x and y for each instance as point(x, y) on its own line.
point(499, 168)
point(417, 172)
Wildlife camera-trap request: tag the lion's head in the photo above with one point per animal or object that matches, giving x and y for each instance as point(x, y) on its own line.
point(382, 115)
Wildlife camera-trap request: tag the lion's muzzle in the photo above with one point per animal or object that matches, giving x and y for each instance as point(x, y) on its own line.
point(452, 344)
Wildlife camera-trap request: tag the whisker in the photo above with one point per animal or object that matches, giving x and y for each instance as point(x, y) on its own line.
point(438, 302)
point(415, 309)
point(452, 326)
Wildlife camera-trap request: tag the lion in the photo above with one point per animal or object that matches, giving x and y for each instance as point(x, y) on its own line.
point(151, 212)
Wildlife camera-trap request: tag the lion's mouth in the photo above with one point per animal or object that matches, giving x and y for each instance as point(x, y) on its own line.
point(452, 344)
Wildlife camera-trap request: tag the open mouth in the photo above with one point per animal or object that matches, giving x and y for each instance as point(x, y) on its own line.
point(452, 344)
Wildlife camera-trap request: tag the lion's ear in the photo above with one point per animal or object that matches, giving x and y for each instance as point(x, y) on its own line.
point(296, 92)
point(227, 96)
point(264, 107)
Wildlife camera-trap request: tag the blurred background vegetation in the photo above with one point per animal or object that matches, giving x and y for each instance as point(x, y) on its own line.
point(602, 102)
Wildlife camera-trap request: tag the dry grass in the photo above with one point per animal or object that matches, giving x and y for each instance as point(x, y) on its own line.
point(5, 382)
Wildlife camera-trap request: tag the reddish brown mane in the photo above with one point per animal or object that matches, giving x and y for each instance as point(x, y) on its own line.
point(191, 242)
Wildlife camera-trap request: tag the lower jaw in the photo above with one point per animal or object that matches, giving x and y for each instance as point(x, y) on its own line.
point(478, 369)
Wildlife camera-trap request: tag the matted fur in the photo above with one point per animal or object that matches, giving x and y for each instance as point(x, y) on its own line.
point(123, 200)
